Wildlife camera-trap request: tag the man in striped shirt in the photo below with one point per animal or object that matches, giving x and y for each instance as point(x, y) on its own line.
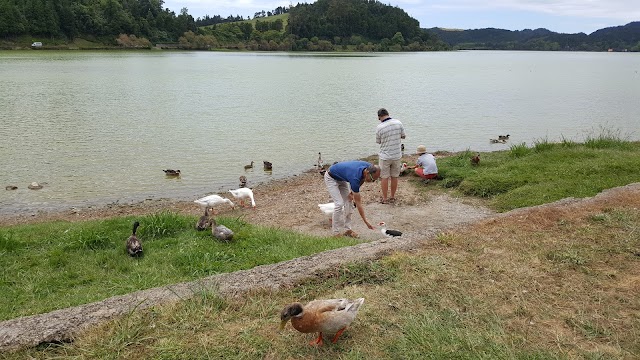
point(389, 135)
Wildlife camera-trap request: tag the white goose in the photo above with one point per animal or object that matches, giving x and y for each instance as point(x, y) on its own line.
point(242, 194)
point(212, 201)
point(327, 209)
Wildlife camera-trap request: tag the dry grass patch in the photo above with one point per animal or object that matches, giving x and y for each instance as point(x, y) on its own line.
point(560, 278)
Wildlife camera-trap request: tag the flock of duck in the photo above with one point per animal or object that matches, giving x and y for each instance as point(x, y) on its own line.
point(325, 317)
point(502, 139)
point(206, 221)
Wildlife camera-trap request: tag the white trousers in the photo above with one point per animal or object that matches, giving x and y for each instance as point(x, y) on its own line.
point(339, 191)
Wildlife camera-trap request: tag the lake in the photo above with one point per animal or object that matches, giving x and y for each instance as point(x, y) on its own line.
point(99, 127)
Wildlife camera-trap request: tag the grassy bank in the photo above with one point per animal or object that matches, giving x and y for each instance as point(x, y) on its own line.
point(55, 265)
point(558, 283)
point(543, 172)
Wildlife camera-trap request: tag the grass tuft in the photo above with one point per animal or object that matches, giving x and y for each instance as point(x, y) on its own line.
point(519, 150)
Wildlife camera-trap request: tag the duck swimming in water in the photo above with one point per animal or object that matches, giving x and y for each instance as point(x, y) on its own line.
point(171, 172)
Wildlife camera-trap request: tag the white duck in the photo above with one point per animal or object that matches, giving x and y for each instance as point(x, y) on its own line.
point(243, 193)
point(327, 209)
point(388, 232)
point(212, 201)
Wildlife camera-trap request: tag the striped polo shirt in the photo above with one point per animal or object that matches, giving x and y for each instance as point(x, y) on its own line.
point(389, 135)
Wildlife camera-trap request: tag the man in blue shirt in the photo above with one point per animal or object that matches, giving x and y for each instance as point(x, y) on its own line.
point(343, 181)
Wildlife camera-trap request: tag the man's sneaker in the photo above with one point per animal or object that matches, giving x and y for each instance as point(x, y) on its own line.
point(351, 234)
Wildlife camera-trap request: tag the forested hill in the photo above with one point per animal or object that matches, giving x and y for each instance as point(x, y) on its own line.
point(617, 38)
point(326, 25)
point(367, 23)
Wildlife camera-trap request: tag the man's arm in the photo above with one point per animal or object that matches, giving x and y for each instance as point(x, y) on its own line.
point(358, 201)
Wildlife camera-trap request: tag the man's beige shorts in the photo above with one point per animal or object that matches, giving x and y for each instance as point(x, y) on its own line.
point(389, 168)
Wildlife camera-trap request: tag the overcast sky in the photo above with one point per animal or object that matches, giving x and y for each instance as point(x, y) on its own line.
point(564, 16)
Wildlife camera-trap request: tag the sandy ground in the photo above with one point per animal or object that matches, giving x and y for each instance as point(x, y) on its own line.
point(292, 203)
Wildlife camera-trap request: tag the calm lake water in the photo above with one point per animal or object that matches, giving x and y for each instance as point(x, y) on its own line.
point(99, 127)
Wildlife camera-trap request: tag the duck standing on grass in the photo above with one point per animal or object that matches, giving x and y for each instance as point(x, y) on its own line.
point(330, 317)
point(203, 222)
point(475, 160)
point(221, 232)
point(134, 246)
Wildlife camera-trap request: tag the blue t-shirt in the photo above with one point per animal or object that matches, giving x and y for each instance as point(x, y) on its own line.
point(350, 171)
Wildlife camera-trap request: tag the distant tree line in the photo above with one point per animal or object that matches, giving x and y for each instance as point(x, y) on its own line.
point(618, 38)
point(217, 19)
point(97, 18)
point(326, 25)
point(369, 25)
point(277, 11)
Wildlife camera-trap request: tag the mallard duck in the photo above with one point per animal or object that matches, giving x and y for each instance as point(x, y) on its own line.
point(134, 246)
point(243, 181)
point(503, 137)
point(267, 165)
point(247, 167)
point(34, 186)
point(221, 232)
point(213, 200)
point(204, 222)
point(171, 172)
point(475, 160)
point(242, 194)
point(331, 316)
point(388, 232)
point(11, 187)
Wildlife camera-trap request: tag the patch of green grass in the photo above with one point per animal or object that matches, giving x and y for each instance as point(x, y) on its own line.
point(541, 145)
point(606, 138)
point(519, 150)
point(59, 264)
point(524, 176)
